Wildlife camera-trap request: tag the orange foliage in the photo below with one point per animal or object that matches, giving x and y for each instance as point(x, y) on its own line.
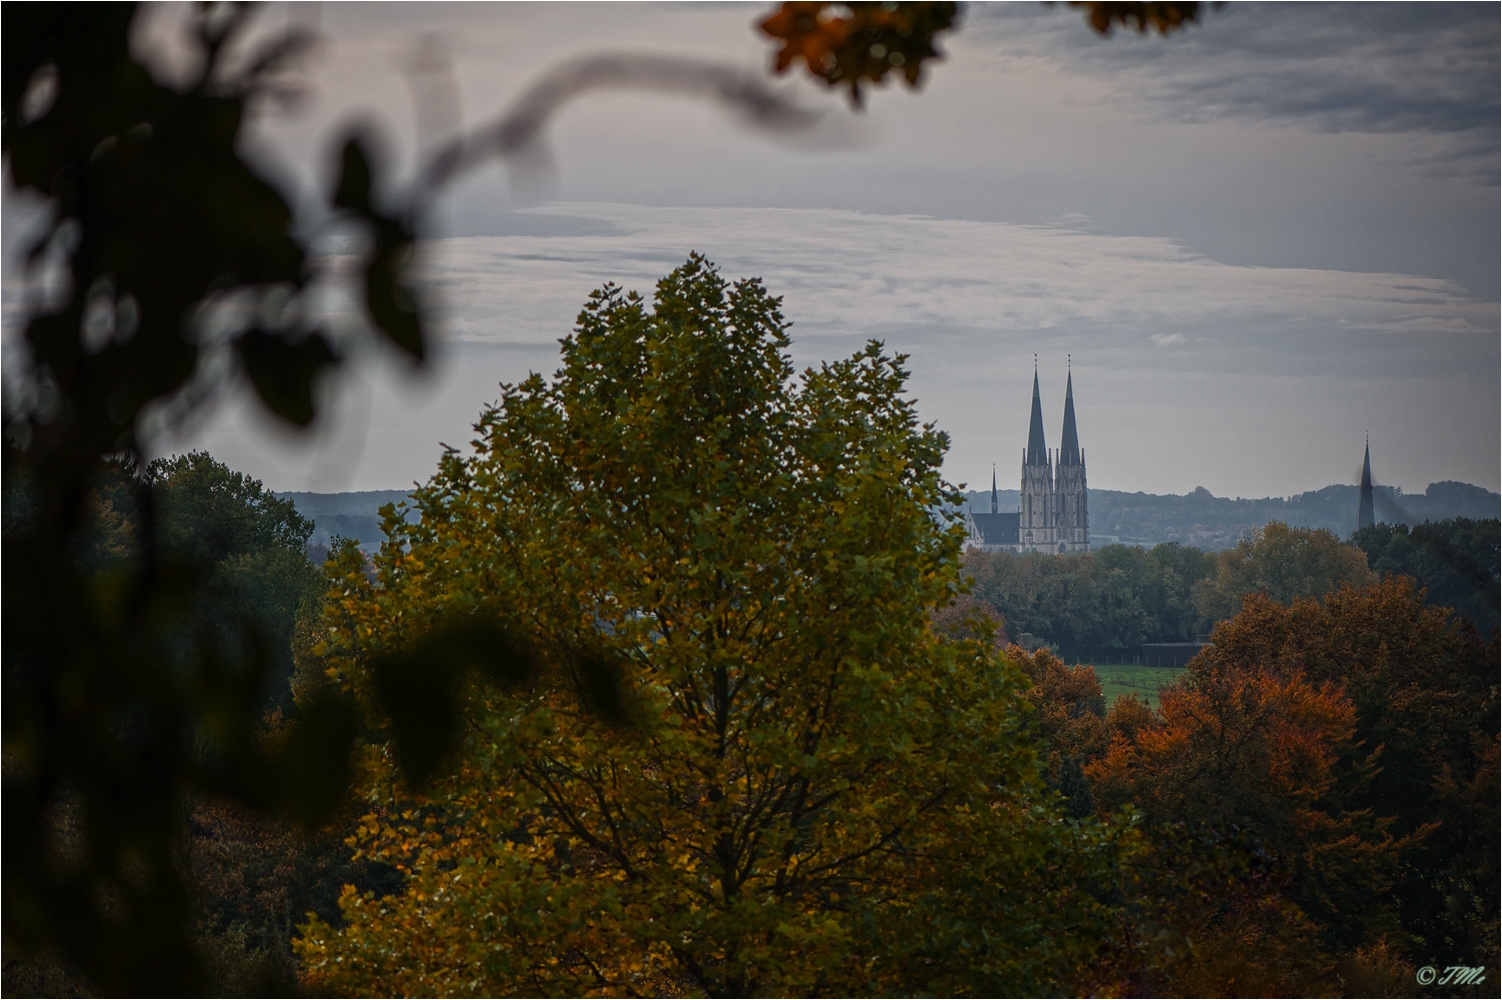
point(1239, 747)
point(846, 44)
point(1381, 627)
point(1424, 690)
point(1071, 708)
point(1271, 753)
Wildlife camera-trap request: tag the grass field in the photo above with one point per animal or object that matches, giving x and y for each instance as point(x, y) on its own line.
point(1117, 679)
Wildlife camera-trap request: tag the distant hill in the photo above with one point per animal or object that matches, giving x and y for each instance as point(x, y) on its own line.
point(1210, 522)
point(348, 515)
point(1199, 518)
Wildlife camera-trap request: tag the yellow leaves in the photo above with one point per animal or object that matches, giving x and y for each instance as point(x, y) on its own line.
point(795, 721)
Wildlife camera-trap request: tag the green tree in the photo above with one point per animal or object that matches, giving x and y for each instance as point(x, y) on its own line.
point(252, 545)
point(1282, 562)
point(1096, 604)
point(1457, 562)
point(814, 794)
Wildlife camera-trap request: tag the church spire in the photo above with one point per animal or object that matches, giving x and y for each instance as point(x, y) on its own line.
point(993, 489)
point(1365, 513)
point(1069, 446)
point(1037, 451)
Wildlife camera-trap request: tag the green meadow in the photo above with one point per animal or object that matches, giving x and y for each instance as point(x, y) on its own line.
point(1119, 679)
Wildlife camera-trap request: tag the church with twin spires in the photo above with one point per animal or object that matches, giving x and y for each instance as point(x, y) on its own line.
point(1053, 514)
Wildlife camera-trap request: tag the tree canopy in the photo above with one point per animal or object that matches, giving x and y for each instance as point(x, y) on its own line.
point(809, 793)
point(1457, 561)
point(1423, 690)
point(1103, 603)
point(1352, 739)
point(1282, 562)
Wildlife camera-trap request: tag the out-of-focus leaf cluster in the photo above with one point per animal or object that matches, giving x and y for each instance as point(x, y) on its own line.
point(164, 262)
point(138, 663)
point(1164, 18)
point(171, 243)
point(853, 44)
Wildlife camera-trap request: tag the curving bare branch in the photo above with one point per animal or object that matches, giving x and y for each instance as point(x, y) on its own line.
point(519, 131)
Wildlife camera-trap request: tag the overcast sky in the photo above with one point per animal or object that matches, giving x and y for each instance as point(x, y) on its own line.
point(1259, 240)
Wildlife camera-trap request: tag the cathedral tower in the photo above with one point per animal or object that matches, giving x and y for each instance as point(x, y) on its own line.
point(1036, 505)
point(1071, 507)
point(1053, 514)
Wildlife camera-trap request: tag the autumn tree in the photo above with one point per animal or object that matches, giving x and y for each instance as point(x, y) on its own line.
point(1282, 562)
point(1185, 874)
point(1260, 752)
point(1355, 737)
point(811, 794)
point(1423, 689)
point(1070, 713)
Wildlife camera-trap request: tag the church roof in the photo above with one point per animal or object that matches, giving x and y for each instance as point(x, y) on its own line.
point(997, 529)
point(1069, 445)
point(1037, 451)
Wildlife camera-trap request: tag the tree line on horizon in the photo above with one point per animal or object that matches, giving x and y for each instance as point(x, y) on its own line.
point(1104, 604)
point(1201, 519)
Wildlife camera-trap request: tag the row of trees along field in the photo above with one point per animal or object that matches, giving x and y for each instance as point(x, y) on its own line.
point(1102, 605)
point(727, 722)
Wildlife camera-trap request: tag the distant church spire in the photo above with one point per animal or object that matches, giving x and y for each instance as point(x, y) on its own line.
point(1069, 446)
point(1037, 451)
point(993, 489)
point(1364, 513)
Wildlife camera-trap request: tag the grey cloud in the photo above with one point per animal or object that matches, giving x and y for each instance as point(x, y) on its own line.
point(1279, 374)
point(1344, 67)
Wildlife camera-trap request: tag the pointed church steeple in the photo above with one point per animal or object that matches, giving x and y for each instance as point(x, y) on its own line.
point(1365, 512)
point(1069, 445)
point(993, 490)
point(1037, 451)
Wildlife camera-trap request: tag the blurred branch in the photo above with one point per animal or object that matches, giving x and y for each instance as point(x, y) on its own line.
point(518, 132)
